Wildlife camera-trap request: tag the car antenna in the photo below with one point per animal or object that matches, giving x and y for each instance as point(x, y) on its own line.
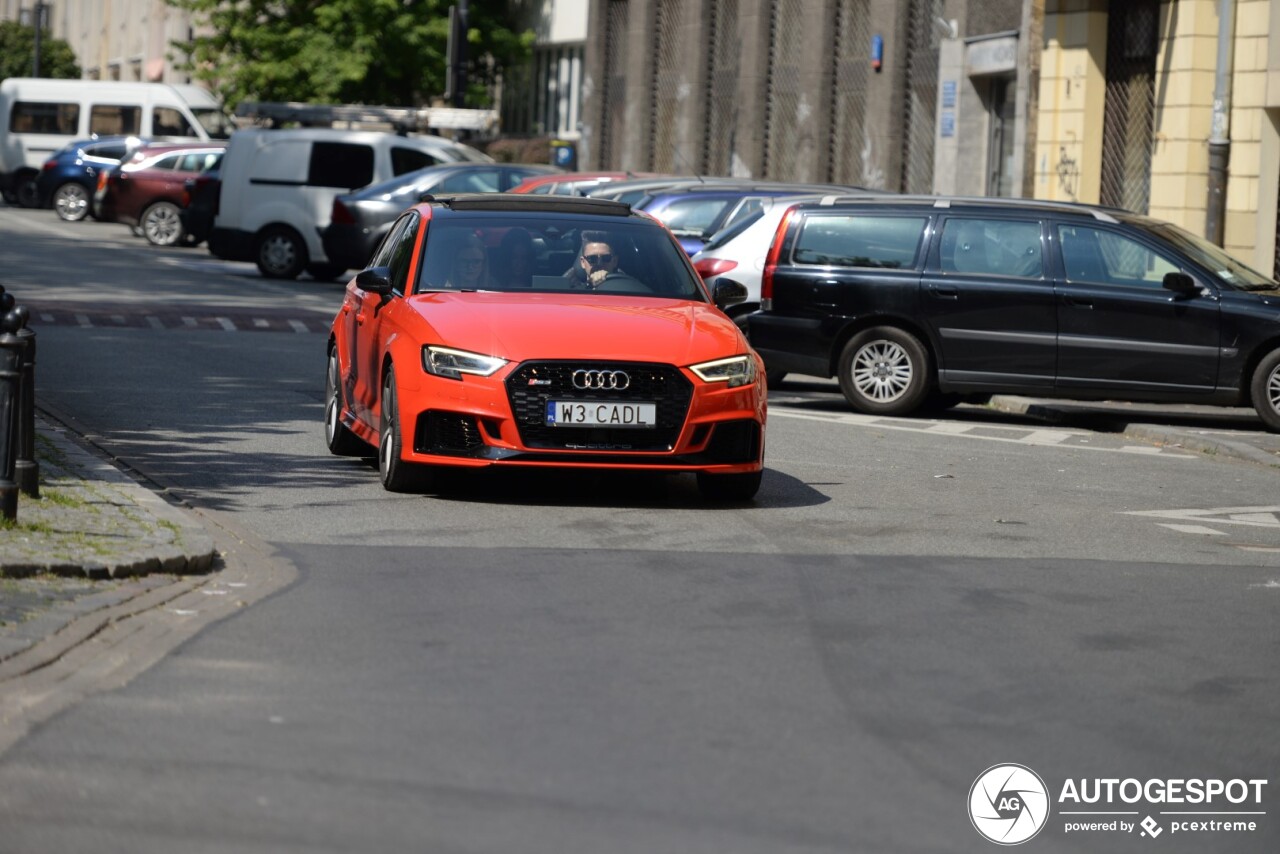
point(675, 149)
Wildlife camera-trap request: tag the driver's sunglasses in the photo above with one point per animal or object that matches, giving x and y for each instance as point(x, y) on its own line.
point(596, 260)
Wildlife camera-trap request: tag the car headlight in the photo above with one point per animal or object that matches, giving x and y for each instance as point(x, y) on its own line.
point(736, 371)
point(447, 362)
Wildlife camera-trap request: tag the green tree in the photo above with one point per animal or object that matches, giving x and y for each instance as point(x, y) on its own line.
point(344, 51)
point(17, 49)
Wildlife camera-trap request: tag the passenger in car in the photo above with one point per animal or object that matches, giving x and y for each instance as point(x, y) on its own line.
point(469, 270)
point(513, 265)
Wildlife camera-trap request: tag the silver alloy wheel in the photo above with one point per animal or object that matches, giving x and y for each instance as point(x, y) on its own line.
point(71, 201)
point(1273, 389)
point(882, 371)
point(278, 253)
point(161, 224)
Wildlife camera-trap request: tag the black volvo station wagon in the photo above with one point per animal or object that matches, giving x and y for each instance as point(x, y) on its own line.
point(920, 300)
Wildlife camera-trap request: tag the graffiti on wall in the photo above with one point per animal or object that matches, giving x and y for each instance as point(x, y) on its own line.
point(1068, 174)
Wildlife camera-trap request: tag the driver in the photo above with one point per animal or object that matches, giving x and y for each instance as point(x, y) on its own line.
point(598, 261)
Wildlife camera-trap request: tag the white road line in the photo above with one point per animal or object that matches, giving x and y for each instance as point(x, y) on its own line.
point(1260, 549)
point(879, 422)
point(948, 427)
point(1047, 437)
point(261, 323)
point(119, 319)
point(83, 320)
point(1258, 517)
point(225, 324)
point(154, 322)
point(47, 317)
point(1193, 529)
point(298, 326)
point(189, 321)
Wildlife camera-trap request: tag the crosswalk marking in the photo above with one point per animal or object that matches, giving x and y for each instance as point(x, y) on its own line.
point(1193, 529)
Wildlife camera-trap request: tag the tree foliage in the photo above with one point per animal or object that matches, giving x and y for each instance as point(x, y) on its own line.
point(17, 49)
point(344, 51)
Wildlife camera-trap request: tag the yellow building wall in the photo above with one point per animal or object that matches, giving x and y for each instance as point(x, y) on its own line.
point(1248, 121)
point(1072, 97)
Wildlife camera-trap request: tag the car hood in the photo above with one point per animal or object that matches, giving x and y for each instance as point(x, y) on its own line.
point(556, 326)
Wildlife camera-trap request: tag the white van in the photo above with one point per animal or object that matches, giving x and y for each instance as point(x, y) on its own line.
point(38, 116)
point(278, 188)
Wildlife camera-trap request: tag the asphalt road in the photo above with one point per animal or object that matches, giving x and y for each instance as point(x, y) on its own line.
point(546, 663)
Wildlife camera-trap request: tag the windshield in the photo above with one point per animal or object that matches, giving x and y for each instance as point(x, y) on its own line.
point(526, 252)
point(1214, 258)
point(724, 235)
point(215, 122)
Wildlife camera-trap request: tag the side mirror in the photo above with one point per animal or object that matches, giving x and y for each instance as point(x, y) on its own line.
point(727, 292)
point(375, 280)
point(1181, 284)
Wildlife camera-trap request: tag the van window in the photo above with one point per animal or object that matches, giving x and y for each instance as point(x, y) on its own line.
point(1095, 255)
point(410, 159)
point(345, 165)
point(166, 121)
point(115, 119)
point(44, 117)
point(860, 240)
point(992, 247)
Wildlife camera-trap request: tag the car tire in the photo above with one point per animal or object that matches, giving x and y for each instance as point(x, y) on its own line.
point(25, 191)
point(325, 272)
point(71, 202)
point(729, 488)
point(1265, 390)
point(161, 225)
point(396, 474)
point(340, 441)
point(280, 253)
point(884, 371)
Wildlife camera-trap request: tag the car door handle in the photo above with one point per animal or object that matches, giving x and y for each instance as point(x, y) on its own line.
point(1078, 303)
point(947, 292)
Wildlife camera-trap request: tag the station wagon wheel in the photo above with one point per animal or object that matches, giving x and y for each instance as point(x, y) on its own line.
point(884, 371)
point(26, 191)
point(71, 201)
point(396, 474)
point(1266, 390)
point(280, 253)
point(341, 441)
point(161, 224)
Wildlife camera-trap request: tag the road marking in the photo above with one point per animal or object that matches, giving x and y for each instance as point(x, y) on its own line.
point(263, 323)
point(154, 322)
point(225, 323)
point(1193, 529)
point(189, 321)
point(1016, 435)
point(298, 326)
point(1258, 517)
point(83, 320)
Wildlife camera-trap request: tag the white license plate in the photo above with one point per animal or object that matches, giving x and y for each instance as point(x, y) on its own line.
point(600, 413)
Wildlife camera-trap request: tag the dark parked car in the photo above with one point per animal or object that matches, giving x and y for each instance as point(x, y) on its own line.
point(361, 219)
point(199, 204)
point(908, 299)
point(145, 191)
point(68, 178)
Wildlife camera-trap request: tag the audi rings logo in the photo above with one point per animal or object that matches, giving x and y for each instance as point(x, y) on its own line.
point(1008, 804)
point(601, 380)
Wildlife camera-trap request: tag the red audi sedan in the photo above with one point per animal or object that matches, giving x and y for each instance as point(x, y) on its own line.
point(539, 331)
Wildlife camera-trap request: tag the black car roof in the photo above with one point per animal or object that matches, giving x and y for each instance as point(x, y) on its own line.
point(530, 203)
point(970, 203)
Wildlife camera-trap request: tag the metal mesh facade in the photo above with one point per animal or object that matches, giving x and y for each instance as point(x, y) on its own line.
point(851, 33)
point(668, 71)
point(1132, 41)
point(613, 112)
point(784, 121)
point(720, 106)
point(921, 96)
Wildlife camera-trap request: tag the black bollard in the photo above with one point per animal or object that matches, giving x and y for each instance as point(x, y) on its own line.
point(10, 378)
point(26, 472)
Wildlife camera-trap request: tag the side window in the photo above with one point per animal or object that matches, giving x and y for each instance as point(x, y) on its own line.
point(992, 247)
point(382, 255)
point(860, 240)
point(166, 121)
point(485, 181)
point(106, 151)
point(408, 159)
point(168, 162)
point(402, 253)
point(1105, 257)
point(115, 119)
point(745, 209)
point(44, 117)
point(344, 165)
point(197, 161)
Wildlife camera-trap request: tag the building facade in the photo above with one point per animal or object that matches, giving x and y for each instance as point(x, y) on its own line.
point(114, 39)
point(545, 97)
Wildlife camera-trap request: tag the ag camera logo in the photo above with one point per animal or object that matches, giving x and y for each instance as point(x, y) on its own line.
point(1008, 804)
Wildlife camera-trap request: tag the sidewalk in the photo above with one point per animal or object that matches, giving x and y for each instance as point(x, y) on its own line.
point(95, 538)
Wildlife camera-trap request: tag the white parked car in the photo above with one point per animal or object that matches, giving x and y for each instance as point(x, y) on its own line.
point(278, 186)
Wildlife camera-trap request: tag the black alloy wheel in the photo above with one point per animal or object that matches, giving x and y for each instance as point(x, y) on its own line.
point(396, 474)
point(340, 441)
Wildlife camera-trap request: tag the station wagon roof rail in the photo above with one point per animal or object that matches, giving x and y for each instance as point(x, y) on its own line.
point(1098, 212)
point(521, 202)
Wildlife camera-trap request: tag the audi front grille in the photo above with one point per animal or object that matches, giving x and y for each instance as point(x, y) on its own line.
point(532, 384)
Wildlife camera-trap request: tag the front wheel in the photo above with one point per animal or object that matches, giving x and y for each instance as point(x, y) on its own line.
point(340, 441)
point(161, 225)
point(280, 253)
point(729, 488)
point(71, 202)
point(1266, 390)
point(884, 371)
point(396, 474)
